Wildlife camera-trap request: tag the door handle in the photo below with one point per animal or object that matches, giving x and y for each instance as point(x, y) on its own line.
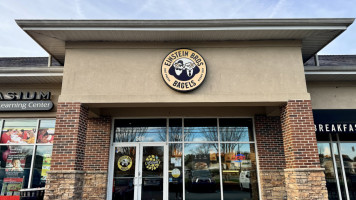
point(140, 181)
point(135, 181)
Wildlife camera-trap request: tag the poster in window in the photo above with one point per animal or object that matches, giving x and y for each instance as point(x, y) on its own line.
point(18, 135)
point(15, 158)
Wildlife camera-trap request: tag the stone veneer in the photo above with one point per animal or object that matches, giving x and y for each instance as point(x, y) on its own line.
point(306, 184)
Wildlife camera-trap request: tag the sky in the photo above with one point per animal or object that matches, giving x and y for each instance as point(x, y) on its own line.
point(16, 43)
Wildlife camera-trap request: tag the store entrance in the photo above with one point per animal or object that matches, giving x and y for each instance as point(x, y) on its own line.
point(139, 171)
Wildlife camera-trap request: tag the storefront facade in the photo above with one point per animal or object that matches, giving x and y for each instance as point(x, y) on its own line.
point(171, 110)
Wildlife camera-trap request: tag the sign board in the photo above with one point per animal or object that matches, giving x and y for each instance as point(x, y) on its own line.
point(25, 101)
point(335, 121)
point(184, 70)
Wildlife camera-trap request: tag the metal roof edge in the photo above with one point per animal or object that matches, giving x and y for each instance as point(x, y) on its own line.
point(26, 23)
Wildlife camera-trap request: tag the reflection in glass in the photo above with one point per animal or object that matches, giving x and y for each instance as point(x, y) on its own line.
point(42, 166)
point(236, 130)
point(124, 173)
point(175, 130)
point(198, 130)
point(348, 152)
point(202, 177)
point(339, 170)
point(140, 130)
point(175, 171)
point(19, 131)
point(327, 163)
point(15, 163)
point(152, 172)
point(46, 131)
point(238, 165)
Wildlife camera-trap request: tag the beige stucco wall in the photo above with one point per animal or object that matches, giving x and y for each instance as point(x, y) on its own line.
point(332, 95)
point(238, 72)
point(55, 90)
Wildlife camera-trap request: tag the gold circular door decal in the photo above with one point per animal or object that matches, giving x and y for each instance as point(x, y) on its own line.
point(152, 162)
point(184, 70)
point(175, 173)
point(124, 163)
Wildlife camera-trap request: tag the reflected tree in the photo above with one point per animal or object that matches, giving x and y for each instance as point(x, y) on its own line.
point(129, 134)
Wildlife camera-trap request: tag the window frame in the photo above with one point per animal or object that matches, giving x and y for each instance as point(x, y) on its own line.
point(34, 145)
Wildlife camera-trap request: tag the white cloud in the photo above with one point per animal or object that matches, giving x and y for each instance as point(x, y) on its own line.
point(14, 40)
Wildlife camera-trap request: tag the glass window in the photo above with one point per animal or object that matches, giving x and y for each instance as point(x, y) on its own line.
point(46, 131)
point(326, 162)
point(202, 175)
point(348, 152)
point(18, 144)
point(140, 130)
point(239, 175)
point(42, 165)
point(175, 171)
point(175, 130)
point(19, 132)
point(15, 167)
point(236, 130)
point(198, 130)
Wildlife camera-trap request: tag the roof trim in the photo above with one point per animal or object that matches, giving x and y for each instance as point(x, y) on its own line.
point(52, 35)
point(186, 23)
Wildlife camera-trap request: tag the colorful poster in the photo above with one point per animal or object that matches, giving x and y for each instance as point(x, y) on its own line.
point(46, 165)
point(19, 135)
point(45, 135)
point(11, 186)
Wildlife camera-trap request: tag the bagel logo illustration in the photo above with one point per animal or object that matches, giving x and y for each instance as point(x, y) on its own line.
point(124, 163)
point(152, 162)
point(184, 70)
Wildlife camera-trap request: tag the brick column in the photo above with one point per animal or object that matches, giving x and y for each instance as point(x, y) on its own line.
point(303, 176)
point(65, 180)
point(96, 158)
point(271, 156)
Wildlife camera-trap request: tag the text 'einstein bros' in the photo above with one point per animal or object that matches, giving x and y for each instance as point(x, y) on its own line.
point(183, 70)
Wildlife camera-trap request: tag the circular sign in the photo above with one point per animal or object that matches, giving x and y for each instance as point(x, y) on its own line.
point(184, 70)
point(152, 162)
point(175, 173)
point(124, 163)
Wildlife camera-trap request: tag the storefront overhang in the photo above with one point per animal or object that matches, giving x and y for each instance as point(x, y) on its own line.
point(31, 75)
point(330, 73)
point(52, 35)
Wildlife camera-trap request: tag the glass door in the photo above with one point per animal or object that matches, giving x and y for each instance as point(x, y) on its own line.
point(153, 162)
point(125, 182)
point(139, 171)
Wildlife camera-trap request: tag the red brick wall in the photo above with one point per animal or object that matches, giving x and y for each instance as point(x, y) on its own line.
point(69, 142)
point(299, 137)
point(97, 144)
point(269, 140)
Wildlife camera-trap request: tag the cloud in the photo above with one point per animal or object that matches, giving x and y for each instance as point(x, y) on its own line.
point(12, 36)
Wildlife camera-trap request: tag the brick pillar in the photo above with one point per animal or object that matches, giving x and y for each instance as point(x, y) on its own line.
point(271, 156)
point(303, 176)
point(65, 180)
point(96, 158)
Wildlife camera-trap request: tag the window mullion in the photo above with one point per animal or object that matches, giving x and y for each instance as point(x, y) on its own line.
point(33, 156)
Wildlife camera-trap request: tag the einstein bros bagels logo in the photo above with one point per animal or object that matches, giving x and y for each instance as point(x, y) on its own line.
point(124, 163)
point(184, 70)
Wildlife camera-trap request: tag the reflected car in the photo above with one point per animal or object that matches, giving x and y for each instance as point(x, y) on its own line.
point(245, 182)
point(201, 181)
